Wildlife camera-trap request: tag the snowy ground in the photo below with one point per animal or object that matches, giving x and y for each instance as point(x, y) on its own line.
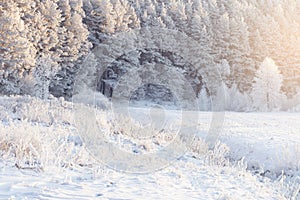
point(41, 157)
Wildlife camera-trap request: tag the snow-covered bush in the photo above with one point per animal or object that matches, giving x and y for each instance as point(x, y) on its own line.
point(121, 127)
point(199, 147)
point(289, 184)
point(91, 98)
point(37, 134)
point(33, 146)
point(36, 110)
point(219, 155)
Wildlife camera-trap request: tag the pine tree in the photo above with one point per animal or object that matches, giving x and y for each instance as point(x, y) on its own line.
point(125, 17)
point(73, 45)
point(218, 29)
point(99, 19)
point(43, 74)
point(86, 79)
point(16, 52)
point(242, 67)
point(178, 13)
point(49, 32)
point(167, 20)
point(73, 41)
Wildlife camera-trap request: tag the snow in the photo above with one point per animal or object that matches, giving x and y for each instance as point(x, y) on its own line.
point(187, 177)
point(262, 162)
point(271, 140)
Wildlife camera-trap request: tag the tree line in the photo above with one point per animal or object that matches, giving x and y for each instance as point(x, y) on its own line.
point(43, 42)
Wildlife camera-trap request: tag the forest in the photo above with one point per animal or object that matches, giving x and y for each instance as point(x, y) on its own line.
point(254, 44)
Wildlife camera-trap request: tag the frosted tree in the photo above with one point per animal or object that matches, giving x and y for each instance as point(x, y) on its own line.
point(42, 75)
point(220, 31)
point(49, 39)
point(87, 76)
point(73, 41)
point(272, 37)
point(150, 16)
point(242, 67)
point(43, 21)
point(73, 45)
point(178, 14)
point(99, 19)
point(197, 29)
point(257, 47)
point(125, 16)
point(219, 98)
point(266, 93)
point(296, 101)
point(216, 77)
point(16, 52)
point(168, 21)
point(218, 81)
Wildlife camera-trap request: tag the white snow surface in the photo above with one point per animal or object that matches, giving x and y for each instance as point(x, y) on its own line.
point(43, 157)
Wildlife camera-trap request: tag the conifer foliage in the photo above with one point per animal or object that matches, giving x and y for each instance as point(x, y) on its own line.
point(47, 40)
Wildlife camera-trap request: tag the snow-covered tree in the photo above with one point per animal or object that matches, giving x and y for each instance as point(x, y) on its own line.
point(197, 29)
point(104, 17)
point(43, 74)
point(295, 102)
point(16, 51)
point(73, 45)
point(87, 77)
point(125, 16)
point(241, 32)
point(242, 68)
point(73, 40)
point(178, 14)
point(48, 30)
point(167, 20)
point(221, 33)
point(149, 17)
point(99, 19)
point(266, 93)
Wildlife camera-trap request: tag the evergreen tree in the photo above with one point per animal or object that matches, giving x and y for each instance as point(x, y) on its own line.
point(99, 19)
point(242, 67)
point(16, 51)
point(73, 45)
point(43, 74)
point(167, 20)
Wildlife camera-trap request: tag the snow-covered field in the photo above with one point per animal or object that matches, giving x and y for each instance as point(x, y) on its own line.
point(42, 157)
